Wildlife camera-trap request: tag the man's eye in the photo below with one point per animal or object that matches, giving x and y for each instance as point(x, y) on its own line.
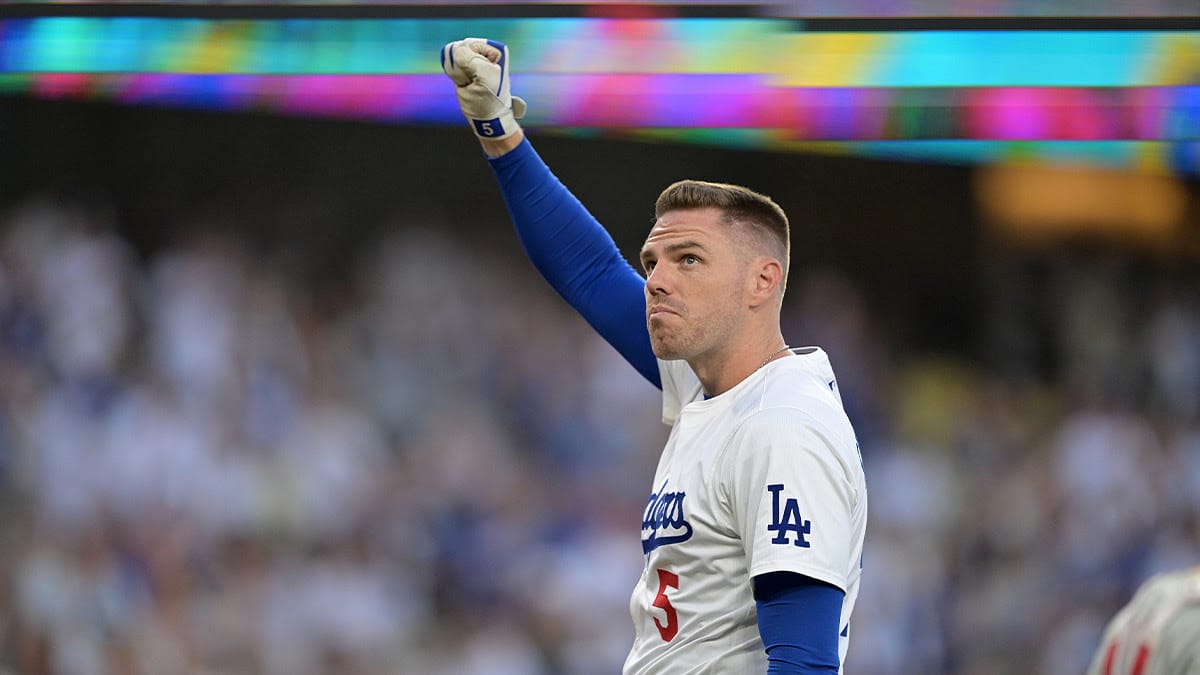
point(690, 260)
point(649, 265)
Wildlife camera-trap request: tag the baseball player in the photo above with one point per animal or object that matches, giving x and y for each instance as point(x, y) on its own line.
point(1157, 633)
point(753, 531)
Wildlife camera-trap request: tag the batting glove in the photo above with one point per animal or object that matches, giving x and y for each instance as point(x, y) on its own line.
point(479, 68)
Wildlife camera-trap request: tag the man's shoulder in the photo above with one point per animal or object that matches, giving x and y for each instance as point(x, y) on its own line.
point(796, 401)
point(784, 418)
point(799, 389)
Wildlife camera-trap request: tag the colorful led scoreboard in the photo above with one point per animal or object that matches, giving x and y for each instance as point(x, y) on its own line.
point(1118, 96)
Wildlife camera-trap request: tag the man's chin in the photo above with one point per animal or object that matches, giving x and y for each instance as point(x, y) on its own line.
point(666, 352)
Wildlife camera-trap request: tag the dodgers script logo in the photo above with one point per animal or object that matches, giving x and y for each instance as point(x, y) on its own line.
point(664, 519)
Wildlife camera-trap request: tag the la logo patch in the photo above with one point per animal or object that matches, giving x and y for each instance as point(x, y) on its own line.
point(787, 519)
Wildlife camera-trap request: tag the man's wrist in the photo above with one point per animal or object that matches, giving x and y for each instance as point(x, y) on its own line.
point(497, 147)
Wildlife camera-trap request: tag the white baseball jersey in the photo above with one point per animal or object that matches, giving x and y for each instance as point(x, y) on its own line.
point(765, 477)
point(1157, 633)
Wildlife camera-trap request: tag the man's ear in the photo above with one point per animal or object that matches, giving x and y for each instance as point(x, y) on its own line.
point(766, 275)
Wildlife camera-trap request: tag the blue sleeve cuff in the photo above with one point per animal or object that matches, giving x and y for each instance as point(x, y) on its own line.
point(798, 619)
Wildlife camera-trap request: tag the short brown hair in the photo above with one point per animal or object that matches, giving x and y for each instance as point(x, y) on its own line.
point(740, 205)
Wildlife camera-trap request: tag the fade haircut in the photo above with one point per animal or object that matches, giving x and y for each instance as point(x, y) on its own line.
point(756, 213)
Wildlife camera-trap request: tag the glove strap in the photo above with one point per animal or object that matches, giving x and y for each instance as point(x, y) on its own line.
point(503, 126)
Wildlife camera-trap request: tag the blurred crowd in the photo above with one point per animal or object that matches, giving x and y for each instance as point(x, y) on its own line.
point(209, 464)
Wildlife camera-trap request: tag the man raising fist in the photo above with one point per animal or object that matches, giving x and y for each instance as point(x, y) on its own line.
point(753, 530)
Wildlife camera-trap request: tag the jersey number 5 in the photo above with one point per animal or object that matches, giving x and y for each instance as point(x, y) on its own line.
point(666, 580)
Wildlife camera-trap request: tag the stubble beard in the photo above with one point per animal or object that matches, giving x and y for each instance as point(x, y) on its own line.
point(662, 346)
point(687, 335)
point(685, 342)
point(696, 338)
point(667, 350)
point(672, 344)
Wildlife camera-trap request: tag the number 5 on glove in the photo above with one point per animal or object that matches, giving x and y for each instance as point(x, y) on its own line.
point(479, 69)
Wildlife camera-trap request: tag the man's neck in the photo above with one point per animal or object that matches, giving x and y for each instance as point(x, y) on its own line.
point(720, 372)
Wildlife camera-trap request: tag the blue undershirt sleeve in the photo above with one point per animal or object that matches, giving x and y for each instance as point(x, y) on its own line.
point(576, 255)
point(798, 619)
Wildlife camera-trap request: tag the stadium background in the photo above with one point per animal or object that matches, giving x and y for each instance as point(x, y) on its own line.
point(280, 393)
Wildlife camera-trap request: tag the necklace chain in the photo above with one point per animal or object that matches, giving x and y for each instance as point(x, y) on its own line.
point(775, 353)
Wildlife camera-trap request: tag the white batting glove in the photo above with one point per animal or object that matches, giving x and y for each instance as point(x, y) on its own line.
point(479, 68)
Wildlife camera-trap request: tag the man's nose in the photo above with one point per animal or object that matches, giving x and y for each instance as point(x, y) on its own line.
point(657, 282)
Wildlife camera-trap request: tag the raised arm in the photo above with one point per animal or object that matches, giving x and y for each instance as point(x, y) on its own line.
point(566, 244)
